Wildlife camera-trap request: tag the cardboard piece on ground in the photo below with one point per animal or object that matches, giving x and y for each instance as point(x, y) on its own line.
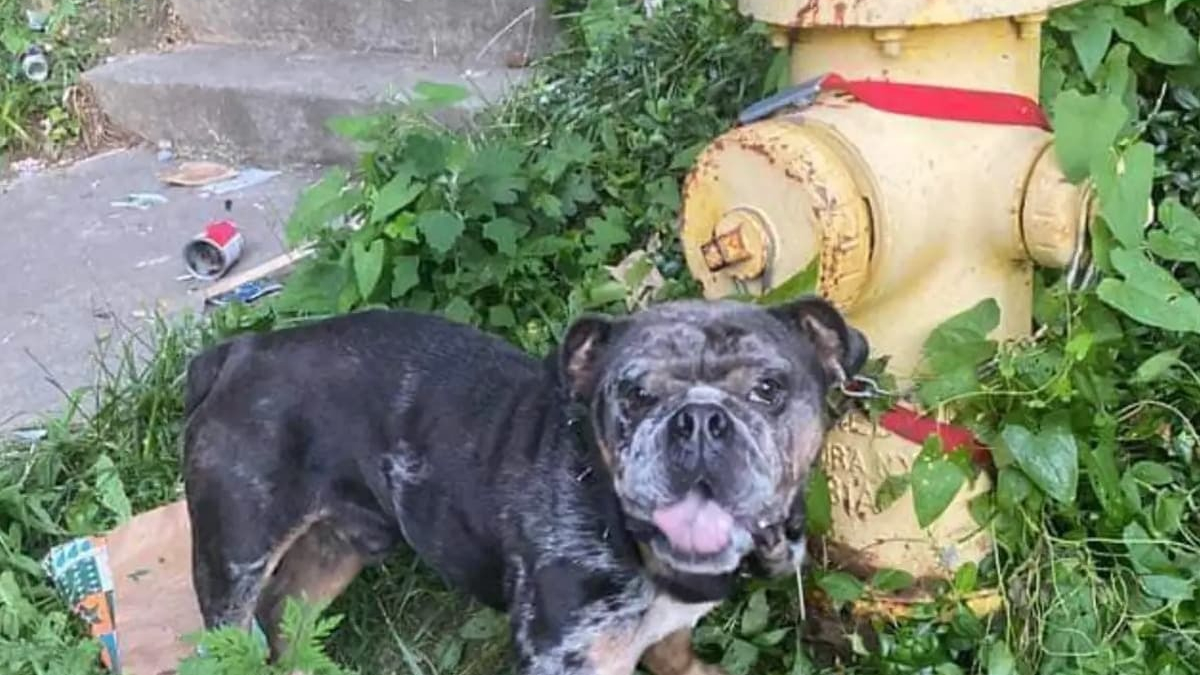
point(197, 174)
point(133, 587)
point(151, 562)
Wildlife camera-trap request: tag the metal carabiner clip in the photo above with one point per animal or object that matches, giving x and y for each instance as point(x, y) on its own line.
point(861, 387)
point(800, 96)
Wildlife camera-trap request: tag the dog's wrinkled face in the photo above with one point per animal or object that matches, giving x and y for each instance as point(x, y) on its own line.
point(709, 416)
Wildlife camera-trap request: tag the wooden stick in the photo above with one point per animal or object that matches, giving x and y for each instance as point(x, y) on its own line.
point(277, 264)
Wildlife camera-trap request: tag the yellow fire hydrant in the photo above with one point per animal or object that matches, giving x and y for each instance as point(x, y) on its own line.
point(918, 198)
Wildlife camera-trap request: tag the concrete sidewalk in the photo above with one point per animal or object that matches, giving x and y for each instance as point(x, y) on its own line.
point(75, 268)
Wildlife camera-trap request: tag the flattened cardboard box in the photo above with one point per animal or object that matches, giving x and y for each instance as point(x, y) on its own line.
point(134, 589)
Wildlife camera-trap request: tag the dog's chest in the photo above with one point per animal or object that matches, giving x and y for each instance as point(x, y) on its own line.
point(618, 652)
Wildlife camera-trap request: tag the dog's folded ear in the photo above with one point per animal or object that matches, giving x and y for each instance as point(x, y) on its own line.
point(841, 349)
point(581, 357)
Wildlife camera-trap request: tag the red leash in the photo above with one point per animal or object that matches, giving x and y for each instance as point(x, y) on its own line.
point(942, 103)
point(918, 100)
point(916, 428)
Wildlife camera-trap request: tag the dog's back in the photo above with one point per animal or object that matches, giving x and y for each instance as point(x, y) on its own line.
point(342, 425)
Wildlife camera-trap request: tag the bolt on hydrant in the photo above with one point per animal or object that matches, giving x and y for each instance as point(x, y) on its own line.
point(913, 164)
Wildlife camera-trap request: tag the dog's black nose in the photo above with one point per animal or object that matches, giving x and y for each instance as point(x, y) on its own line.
point(700, 419)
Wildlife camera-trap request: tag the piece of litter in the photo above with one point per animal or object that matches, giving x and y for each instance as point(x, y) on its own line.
point(28, 166)
point(30, 435)
point(248, 292)
point(140, 200)
point(248, 178)
point(197, 174)
point(152, 262)
point(35, 64)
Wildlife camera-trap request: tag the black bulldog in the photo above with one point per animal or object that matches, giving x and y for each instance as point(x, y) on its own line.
point(605, 498)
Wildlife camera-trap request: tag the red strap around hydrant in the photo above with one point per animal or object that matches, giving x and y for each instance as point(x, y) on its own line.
point(916, 428)
point(944, 103)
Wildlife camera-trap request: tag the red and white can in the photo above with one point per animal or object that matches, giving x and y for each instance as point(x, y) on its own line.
point(210, 254)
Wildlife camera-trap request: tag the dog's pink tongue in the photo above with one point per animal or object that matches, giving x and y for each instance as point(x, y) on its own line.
point(695, 525)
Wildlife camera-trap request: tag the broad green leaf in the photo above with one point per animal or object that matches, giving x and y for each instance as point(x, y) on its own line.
point(1000, 660)
point(495, 176)
point(441, 229)
point(962, 340)
point(891, 489)
point(1086, 126)
point(1149, 294)
point(483, 625)
point(966, 578)
point(1050, 458)
point(501, 316)
point(1161, 38)
point(772, 638)
point(505, 233)
point(685, 158)
point(947, 385)
point(402, 226)
point(1116, 78)
point(318, 205)
point(458, 309)
point(840, 587)
point(1156, 367)
point(757, 614)
point(368, 265)
point(1153, 473)
point(1101, 466)
point(740, 657)
point(800, 284)
point(1091, 44)
point(111, 489)
point(1168, 587)
point(818, 503)
point(357, 127)
point(890, 581)
point(440, 94)
point(314, 288)
point(1180, 237)
point(1168, 513)
point(1123, 184)
point(607, 232)
point(398, 193)
point(569, 149)
point(1147, 557)
point(406, 275)
point(935, 482)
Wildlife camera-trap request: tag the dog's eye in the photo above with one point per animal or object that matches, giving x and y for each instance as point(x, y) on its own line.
point(767, 391)
point(636, 395)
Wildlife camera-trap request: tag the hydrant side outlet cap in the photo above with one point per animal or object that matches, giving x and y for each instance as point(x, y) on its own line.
point(765, 199)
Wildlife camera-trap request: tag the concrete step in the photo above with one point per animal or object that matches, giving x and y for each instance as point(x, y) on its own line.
point(269, 106)
point(464, 32)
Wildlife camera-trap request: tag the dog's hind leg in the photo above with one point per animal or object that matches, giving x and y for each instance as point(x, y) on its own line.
point(318, 566)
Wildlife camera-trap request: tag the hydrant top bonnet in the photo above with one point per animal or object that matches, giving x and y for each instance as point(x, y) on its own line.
point(889, 13)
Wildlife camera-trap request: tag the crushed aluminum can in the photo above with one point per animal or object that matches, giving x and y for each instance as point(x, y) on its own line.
point(213, 252)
